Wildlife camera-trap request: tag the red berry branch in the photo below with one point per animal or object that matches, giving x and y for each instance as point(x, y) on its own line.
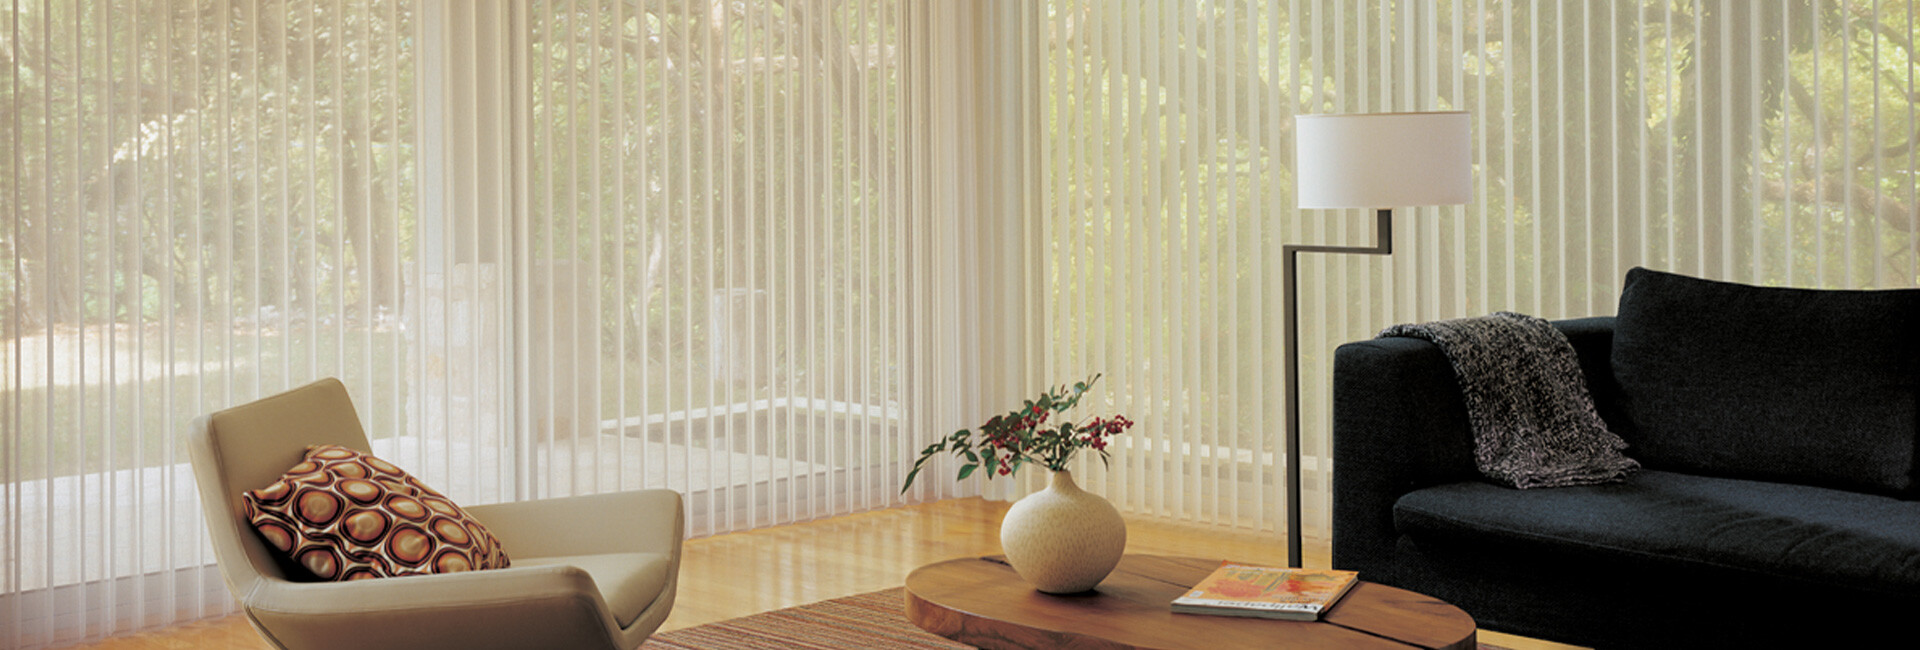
point(1021, 437)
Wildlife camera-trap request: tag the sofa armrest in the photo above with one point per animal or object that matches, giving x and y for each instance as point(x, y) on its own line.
point(1399, 424)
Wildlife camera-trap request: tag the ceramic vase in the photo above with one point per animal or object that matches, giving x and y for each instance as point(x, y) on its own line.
point(1063, 539)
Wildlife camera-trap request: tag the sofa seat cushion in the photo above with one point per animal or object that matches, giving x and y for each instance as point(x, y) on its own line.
point(628, 581)
point(1663, 519)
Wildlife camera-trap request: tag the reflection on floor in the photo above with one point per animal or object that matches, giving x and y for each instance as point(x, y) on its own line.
point(736, 574)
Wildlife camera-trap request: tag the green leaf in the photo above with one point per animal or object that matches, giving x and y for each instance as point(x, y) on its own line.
point(966, 471)
point(909, 484)
point(972, 457)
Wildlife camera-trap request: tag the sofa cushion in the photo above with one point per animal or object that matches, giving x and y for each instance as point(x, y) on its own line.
point(1669, 520)
point(1797, 385)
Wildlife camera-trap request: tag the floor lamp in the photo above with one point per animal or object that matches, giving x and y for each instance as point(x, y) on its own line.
point(1372, 160)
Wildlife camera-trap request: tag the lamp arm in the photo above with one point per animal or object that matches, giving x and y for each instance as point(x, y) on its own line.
point(1383, 245)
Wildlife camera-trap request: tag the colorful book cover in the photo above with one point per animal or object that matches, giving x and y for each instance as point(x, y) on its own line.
point(1266, 592)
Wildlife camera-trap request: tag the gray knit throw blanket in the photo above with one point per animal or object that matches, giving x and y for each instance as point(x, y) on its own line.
point(1533, 421)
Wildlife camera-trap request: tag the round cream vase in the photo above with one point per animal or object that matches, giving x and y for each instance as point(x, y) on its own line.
point(1063, 539)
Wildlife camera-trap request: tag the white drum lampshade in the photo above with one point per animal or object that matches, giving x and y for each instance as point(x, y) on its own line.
point(1383, 160)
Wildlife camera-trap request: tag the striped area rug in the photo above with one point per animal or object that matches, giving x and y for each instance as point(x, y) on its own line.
point(870, 620)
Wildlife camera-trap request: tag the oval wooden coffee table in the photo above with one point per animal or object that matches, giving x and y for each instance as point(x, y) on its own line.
point(983, 603)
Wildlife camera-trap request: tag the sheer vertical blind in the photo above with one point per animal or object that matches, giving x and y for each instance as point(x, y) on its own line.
point(1770, 143)
point(552, 247)
point(762, 252)
point(205, 202)
point(726, 252)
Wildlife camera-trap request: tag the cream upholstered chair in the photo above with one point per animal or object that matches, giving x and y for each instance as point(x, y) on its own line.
point(587, 572)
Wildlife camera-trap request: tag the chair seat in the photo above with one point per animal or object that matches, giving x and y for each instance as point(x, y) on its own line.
point(628, 581)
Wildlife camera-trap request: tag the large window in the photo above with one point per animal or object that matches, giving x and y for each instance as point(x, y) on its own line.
point(760, 252)
point(719, 205)
point(204, 202)
point(1768, 142)
point(551, 248)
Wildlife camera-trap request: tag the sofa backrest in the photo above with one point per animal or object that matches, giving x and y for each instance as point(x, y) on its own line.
point(1793, 385)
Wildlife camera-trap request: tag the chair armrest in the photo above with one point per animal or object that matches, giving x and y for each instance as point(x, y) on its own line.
point(1399, 424)
point(532, 607)
point(640, 521)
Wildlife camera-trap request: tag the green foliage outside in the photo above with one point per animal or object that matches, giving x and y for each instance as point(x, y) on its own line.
point(1771, 143)
point(153, 175)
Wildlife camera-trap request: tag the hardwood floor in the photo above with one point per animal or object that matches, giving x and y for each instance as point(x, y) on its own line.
point(736, 574)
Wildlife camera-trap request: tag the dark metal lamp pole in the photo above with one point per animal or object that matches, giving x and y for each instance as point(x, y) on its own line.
point(1383, 245)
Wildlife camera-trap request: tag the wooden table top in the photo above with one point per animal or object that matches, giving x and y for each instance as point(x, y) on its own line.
point(983, 603)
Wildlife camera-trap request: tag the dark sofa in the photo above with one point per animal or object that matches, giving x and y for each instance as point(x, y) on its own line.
point(1777, 428)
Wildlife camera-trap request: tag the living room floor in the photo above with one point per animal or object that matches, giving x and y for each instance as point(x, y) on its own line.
point(736, 574)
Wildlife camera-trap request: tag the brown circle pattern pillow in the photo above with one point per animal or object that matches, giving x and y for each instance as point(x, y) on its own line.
point(346, 515)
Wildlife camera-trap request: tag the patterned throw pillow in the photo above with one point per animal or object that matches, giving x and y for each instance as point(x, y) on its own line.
point(345, 515)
